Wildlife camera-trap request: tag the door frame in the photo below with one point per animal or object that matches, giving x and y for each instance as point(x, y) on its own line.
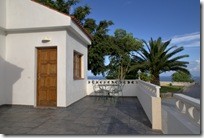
point(36, 73)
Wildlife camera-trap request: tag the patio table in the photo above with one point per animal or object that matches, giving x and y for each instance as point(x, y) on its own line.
point(107, 88)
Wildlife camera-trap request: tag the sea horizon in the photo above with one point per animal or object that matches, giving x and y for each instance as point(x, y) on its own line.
point(162, 78)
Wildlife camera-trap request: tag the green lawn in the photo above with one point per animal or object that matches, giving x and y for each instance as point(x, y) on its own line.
point(165, 89)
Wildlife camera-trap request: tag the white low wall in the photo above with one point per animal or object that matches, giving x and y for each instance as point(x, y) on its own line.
point(188, 106)
point(147, 93)
point(129, 89)
point(183, 117)
point(2, 64)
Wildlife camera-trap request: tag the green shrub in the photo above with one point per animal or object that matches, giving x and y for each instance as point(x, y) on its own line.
point(181, 77)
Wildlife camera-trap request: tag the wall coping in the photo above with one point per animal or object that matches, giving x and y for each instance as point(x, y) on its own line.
point(188, 99)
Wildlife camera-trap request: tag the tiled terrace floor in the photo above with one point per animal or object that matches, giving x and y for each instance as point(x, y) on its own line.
point(88, 116)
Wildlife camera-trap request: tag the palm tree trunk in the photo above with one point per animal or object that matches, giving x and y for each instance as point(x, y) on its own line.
point(155, 79)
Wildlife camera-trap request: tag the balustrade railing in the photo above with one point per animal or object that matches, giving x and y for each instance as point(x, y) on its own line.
point(153, 89)
point(188, 106)
point(126, 82)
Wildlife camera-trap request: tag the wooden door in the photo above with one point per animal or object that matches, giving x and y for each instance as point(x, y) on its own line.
point(47, 77)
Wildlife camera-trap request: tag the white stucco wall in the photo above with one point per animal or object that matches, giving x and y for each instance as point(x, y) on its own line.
point(23, 25)
point(76, 89)
point(2, 44)
point(2, 13)
point(2, 64)
point(151, 106)
point(21, 68)
point(2, 48)
point(29, 14)
point(74, 29)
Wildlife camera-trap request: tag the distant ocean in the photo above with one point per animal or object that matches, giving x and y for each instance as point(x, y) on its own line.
point(162, 78)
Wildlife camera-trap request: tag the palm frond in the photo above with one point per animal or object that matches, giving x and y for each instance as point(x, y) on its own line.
point(179, 57)
point(142, 56)
point(137, 66)
point(174, 52)
point(180, 69)
point(165, 45)
point(146, 45)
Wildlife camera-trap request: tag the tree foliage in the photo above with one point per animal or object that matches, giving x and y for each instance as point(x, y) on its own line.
point(145, 76)
point(90, 25)
point(122, 48)
point(180, 76)
point(81, 13)
point(63, 6)
point(157, 57)
point(99, 48)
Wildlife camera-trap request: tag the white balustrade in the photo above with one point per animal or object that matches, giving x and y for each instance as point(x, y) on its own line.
point(188, 106)
point(126, 82)
point(129, 89)
point(149, 97)
point(154, 90)
point(151, 88)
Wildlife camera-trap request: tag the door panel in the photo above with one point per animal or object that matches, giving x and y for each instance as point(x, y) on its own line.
point(47, 77)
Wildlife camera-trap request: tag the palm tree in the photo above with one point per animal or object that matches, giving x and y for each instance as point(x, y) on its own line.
point(157, 58)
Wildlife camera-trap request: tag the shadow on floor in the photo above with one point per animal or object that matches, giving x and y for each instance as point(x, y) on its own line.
point(88, 116)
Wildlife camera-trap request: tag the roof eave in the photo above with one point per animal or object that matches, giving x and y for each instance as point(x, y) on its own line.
point(72, 18)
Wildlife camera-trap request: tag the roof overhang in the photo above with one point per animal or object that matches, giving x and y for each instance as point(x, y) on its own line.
point(74, 25)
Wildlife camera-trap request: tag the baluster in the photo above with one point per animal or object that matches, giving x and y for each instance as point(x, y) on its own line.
point(181, 106)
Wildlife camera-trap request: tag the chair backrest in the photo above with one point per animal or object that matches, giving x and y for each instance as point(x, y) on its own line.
point(95, 87)
point(120, 85)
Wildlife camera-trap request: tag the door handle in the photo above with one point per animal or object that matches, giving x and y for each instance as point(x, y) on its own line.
point(38, 76)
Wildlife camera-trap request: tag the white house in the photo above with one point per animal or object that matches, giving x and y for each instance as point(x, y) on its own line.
point(43, 55)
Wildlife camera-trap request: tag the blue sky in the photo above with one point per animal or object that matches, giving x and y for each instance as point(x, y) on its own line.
point(178, 20)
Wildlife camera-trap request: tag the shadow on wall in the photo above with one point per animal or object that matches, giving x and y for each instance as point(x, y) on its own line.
point(11, 74)
point(2, 79)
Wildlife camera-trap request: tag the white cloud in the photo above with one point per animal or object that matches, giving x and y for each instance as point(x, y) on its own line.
point(194, 67)
point(198, 61)
point(89, 73)
point(187, 40)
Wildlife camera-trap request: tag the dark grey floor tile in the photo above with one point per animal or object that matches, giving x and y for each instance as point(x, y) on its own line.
point(103, 129)
point(25, 124)
point(88, 116)
point(108, 120)
point(92, 113)
point(14, 130)
point(118, 129)
point(89, 121)
point(82, 129)
point(4, 123)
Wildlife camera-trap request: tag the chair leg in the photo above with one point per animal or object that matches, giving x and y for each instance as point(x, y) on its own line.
point(122, 97)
